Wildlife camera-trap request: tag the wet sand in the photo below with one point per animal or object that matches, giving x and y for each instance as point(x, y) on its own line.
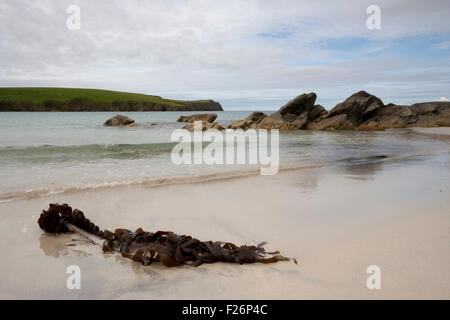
point(336, 220)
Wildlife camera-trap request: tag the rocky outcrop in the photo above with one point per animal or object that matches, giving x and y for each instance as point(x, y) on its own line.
point(349, 114)
point(208, 117)
point(296, 114)
point(251, 122)
point(361, 111)
point(119, 120)
point(205, 126)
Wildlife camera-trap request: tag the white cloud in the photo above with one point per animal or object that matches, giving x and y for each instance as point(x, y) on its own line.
point(443, 99)
point(219, 49)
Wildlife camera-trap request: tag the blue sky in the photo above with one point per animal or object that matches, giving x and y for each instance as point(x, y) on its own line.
point(245, 54)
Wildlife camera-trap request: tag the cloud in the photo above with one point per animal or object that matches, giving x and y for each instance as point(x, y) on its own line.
point(443, 99)
point(260, 50)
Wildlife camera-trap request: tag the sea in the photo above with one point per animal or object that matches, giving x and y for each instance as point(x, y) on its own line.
point(48, 153)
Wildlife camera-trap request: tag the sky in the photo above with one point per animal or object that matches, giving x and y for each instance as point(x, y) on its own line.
point(247, 54)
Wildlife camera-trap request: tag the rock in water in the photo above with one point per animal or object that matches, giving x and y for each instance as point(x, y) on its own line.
point(208, 117)
point(205, 126)
point(361, 111)
point(251, 122)
point(293, 115)
point(119, 120)
point(351, 113)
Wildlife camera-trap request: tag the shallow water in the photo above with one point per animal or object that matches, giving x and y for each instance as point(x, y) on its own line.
point(51, 153)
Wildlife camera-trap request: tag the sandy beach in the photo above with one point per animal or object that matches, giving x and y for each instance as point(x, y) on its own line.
point(218, 158)
point(336, 220)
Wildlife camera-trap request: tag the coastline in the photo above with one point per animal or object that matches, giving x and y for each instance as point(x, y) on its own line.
point(51, 99)
point(374, 213)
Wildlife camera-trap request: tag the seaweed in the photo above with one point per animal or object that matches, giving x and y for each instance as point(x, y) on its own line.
point(162, 246)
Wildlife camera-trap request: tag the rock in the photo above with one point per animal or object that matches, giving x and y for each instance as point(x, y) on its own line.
point(205, 126)
point(372, 116)
point(119, 120)
point(250, 122)
point(293, 115)
point(358, 108)
point(317, 113)
point(432, 114)
point(338, 122)
point(361, 111)
point(391, 116)
point(208, 117)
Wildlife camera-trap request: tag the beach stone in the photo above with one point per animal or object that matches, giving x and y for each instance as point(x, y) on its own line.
point(119, 120)
point(208, 117)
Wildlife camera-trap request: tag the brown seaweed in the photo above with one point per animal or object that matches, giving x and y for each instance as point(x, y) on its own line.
point(162, 246)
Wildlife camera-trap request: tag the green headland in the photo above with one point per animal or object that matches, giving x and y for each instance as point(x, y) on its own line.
point(74, 99)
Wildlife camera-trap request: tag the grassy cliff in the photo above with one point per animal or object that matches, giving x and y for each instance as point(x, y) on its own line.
point(71, 99)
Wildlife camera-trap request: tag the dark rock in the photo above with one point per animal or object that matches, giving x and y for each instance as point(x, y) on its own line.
point(293, 115)
point(205, 126)
point(432, 114)
point(391, 116)
point(119, 120)
point(251, 122)
point(317, 113)
point(337, 122)
point(358, 108)
point(361, 111)
point(208, 117)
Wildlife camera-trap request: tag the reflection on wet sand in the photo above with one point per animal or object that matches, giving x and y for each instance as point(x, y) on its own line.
point(367, 168)
point(53, 245)
point(62, 244)
point(362, 169)
point(307, 180)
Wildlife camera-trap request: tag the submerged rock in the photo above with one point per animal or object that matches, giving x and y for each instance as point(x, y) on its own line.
point(208, 117)
point(120, 120)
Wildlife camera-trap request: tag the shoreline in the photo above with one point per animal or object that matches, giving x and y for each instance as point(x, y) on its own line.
point(374, 214)
point(440, 133)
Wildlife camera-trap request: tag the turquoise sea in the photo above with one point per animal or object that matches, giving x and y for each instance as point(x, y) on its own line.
point(48, 153)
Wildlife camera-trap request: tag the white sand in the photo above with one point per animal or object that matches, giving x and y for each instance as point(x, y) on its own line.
point(335, 221)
